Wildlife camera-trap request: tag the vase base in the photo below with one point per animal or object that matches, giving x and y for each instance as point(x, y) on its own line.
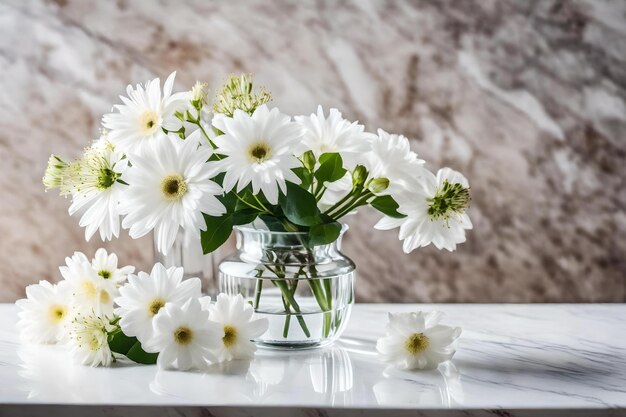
point(300, 345)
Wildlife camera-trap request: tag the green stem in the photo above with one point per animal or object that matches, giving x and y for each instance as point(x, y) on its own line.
point(257, 296)
point(340, 202)
point(361, 201)
point(284, 289)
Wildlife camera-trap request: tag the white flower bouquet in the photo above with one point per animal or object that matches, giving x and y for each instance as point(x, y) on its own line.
point(167, 162)
point(103, 312)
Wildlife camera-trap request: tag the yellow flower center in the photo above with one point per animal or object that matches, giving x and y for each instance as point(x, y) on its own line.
point(417, 343)
point(89, 289)
point(57, 313)
point(155, 306)
point(94, 343)
point(105, 297)
point(173, 187)
point(148, 122)
point(259, 152)
point(105, 274)
point(230, 336)
point(183, 335)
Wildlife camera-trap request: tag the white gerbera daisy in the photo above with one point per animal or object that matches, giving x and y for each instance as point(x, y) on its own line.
point(234, 317)
point(169, 188)
point(144, 295)
point(88, 339)
point(417, 340)
point(258, 149)
point(44, 312)
point(436, 211)
point(140, 121)
point(105, 266)
point(96, 184)
point(184, 336)
point(391, 159)
point(90, 291)
point(334, 134)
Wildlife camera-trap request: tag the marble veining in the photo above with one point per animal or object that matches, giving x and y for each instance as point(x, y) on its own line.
point(527, 98)
point(517, 359)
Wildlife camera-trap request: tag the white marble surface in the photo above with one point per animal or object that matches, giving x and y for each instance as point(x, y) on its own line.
point(518, 359)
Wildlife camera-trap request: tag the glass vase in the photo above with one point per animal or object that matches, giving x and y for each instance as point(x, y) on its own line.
point(306, 292)
point(186, 252)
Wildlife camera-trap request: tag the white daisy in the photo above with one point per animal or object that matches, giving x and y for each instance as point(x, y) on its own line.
point(139, 122)
point(184, 336)
point(258, 149)
point(144, 295)
point(105, 266)
point(234, 317)
point(44, 312)
point(169, 188)
point(391, 159)
point(334, 134)
point(90, 291)
point(417, 340)
point(96, 186)
point(436, 211)
point(88, 339)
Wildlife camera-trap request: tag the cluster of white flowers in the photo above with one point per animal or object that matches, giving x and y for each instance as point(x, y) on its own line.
point(167, 162)
point(98, 302)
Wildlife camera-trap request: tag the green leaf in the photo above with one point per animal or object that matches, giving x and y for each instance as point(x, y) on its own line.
point(218, 229)
point(331, 168)
point(131, 348)
point(323, 234)
point(137, 354)
point(244, 216)
point(299, 206)
point(305, 176)
point(387, 205)
point(120, 343)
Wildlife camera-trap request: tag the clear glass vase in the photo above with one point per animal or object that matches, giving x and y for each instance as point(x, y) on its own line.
point(306, 292)
point(187, 252)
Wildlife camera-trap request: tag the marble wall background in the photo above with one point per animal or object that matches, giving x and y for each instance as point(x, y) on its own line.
point(525, 97)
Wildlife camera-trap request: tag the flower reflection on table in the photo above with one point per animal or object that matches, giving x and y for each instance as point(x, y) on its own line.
point(440, 387)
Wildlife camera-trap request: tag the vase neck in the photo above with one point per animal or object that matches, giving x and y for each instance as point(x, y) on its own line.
point(278, 246)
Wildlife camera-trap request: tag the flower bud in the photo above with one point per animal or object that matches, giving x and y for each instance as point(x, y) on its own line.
point(199, 93)
point(55, 172)
point(359, 175)
point(308, 160)
point(378, 185)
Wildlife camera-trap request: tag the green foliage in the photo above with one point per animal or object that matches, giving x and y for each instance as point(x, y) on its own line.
point(325, 233)
point(331, 168)
point(387, 205)
point(131, 348)
point(300, 206)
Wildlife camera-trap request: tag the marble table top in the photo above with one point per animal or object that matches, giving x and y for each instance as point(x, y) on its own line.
point(513, 360)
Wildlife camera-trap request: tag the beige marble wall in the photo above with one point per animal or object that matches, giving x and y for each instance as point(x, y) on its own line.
point(525, 97)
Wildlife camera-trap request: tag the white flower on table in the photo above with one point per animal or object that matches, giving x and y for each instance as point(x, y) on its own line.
point(44, 312)
point(170, 187)
point(435, 209)
point(87, 336)
point(237, 326)
point(105, 266)
point(184, 336)
point(143, 296)
point(139, 122)
point(90, 291)
point(258, 150)
point(417, 340)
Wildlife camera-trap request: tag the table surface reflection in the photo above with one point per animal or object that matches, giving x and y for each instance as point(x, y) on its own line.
point(509, 357)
